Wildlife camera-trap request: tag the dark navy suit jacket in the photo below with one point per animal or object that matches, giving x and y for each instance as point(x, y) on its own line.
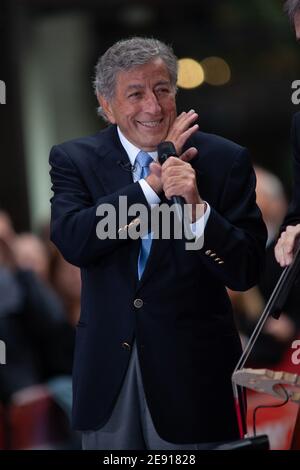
point(184, 329)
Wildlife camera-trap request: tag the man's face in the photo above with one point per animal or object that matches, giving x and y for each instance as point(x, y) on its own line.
point(297, 24)
point(143, 105)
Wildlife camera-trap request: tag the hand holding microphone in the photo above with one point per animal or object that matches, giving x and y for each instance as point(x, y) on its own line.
point(157, 168)
point(181, 129)
point(175, 176)
point(179, 178)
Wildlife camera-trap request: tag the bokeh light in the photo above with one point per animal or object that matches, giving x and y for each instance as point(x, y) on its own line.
point(216, 71)
point(190, 73)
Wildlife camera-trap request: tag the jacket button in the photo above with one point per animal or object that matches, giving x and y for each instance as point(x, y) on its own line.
point(138, 303)
point(208, 252)
point(126, 346)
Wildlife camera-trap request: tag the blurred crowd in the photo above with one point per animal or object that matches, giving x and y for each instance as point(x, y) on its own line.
point(276, 338)
point(40, 307)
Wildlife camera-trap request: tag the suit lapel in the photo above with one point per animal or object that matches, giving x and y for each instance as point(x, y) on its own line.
point(111, 163)
point(112, 167)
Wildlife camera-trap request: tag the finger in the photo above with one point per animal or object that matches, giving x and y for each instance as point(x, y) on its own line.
point(189, 154)
point(285, 249)
point(174, 190)
point(172, 162)
point(289, 242)
point(181, 129)
point(169, 182)
point(185, 135)
point(278, 253)
point(185, 118)
point(184, 171)
point(292, 229)
point(287, 256)
point(188, 118)
point(156, 169)
point(293, 233)
point(178, 184)
point(288, 259)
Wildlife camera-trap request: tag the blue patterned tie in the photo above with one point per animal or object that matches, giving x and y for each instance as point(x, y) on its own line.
point(142, 162)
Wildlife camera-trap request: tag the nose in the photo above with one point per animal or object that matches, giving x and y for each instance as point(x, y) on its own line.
point(152, 104)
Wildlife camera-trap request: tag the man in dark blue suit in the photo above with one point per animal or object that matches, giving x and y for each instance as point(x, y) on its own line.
point(156, 342)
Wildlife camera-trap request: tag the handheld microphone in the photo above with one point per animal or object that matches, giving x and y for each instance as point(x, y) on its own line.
point(165, 150)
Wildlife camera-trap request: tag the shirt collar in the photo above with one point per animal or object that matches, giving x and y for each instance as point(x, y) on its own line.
point(131, 149)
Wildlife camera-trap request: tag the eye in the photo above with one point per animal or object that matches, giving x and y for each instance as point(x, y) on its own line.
point(162, 91)
point(136, 94)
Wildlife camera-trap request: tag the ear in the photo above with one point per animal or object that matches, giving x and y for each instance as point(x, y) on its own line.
point(107, 108)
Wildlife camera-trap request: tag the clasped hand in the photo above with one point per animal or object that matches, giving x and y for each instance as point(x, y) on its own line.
point(176, 177)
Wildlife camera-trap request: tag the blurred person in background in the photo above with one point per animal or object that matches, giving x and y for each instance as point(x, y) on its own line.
point(290, 231)
point(66, 281)
point(39, 340)
point(7, 236)
point(292, 8)
point(156, 342)
point(271, 200)
point(31, 254)
point(63, 277)
point(277, 334)
point(7, 231)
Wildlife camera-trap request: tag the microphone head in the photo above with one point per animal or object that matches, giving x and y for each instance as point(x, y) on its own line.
point(165, 150)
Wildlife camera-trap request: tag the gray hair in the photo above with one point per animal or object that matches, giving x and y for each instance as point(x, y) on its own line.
point(291, 7)
point(125, 55)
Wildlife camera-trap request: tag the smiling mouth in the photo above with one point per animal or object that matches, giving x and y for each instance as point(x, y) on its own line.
point(151, 124)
